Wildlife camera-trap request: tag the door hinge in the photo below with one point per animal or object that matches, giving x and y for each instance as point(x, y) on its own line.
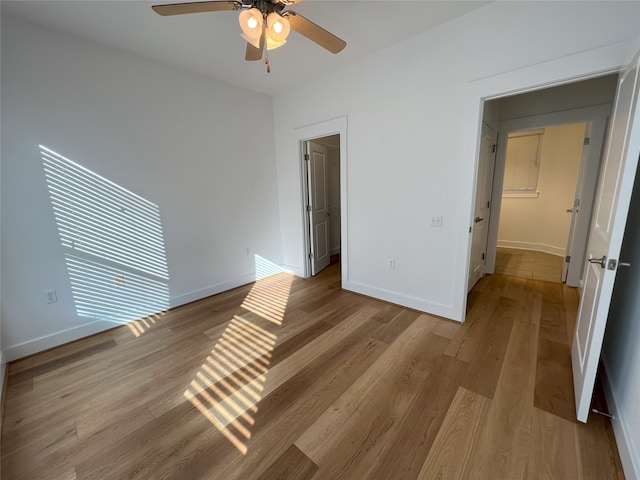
point(488, 204)
point(469, 229)
point(307, 157)
point(567, 259)
point(308, 208)
point(586, 141)
point(483, 256)
point(494, 147)
point(310, 256)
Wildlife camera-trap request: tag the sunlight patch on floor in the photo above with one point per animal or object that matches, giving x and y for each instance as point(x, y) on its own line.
point(228, 386)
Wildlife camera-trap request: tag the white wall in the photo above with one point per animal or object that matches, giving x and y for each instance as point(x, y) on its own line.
point(542, 223)
point(174, 138)
point(588, 93)
point(3, 365)
point(413, 115)
point(621, 350)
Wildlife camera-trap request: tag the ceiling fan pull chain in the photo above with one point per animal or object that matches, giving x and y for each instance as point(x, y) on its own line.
point(266, 61)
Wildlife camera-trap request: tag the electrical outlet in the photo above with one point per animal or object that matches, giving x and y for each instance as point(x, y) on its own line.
point(436, 220)
point(51, 296)
point(119, 280)
point(391, 264)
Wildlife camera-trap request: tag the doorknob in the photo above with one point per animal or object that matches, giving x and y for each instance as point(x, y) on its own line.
point(477, 219)
point(602, 261)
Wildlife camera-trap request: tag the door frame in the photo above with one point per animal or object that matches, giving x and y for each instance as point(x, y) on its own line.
point(596, 116)
point(327, 128)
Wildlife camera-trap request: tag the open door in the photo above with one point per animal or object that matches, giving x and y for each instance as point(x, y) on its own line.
point(605, 239)
point(486, 163)
point(583, 202)
point(318, 206)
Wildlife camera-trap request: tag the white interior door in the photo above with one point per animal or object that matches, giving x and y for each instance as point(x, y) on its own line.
point(486, 164)
point(318, 206)
point(605, 239)
point(584, 198)
point(574, 261)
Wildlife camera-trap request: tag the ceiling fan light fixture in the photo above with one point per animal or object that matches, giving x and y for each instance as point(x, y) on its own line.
point(278, 29)
point(251, 23)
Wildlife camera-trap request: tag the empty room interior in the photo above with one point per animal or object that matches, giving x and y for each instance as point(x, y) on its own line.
point(302, 240)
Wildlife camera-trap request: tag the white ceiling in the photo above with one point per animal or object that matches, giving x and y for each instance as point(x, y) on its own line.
point(210, 43)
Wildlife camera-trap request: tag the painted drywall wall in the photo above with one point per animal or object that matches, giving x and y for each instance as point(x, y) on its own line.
point(621, 349)
point(588, 93)
point(413, 113)
point(542, 223)
point(176, 139)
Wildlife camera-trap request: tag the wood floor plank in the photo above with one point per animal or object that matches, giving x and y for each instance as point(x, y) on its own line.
point(371, 410)
point(148, 443)
point(460, 430)
point(554, 449)
point(405, 455)
point(389, 330)
point(42, 368)
point(553, 325)
point(503, 450)
point(532, 301)
point(464, 345)
point(75, 449)
point(225, 387)
point(291, 465)
point(315, 442)
point(447, 328)
point(487, 348)
point(554, 380)
point(20, 388)
point(278, 421)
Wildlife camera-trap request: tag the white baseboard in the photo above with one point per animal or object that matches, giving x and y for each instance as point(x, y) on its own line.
point(334, 251)
point(39, 344)
point(222, 287)
point(416, 303)
point(210, 290)
point(24, 349)
point(538, 247)
point(626, 448)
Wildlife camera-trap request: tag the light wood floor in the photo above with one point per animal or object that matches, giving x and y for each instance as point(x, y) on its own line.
point(529, 264)
point(297, 379)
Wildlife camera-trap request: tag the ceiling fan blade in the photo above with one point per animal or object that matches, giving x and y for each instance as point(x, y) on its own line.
point(314, 32)
point(196, 7)
point(254, 53)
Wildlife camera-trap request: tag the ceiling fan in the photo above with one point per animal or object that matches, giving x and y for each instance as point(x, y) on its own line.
point(263, 23)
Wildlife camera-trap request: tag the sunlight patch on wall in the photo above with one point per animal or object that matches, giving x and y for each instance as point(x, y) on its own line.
point(114, 245)
point(230, 384)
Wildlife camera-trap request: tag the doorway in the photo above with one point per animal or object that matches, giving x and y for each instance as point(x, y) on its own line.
point(321, 187)
point(540, 201)
point(586, 105)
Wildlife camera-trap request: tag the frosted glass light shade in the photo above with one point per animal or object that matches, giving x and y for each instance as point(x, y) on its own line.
point(277, 30)
point(251, 23)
